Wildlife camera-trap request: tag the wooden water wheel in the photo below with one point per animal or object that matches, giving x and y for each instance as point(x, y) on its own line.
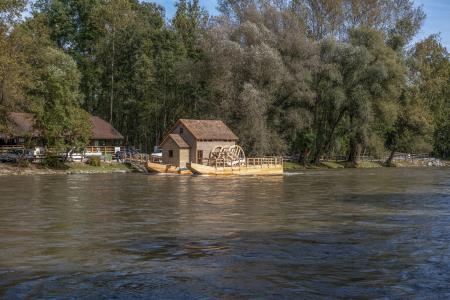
point(227, 156)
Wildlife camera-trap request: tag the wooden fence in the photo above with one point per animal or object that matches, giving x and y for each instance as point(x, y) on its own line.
point(398, 156)
point(6, 148)
point(248, 162)
point(88, 151)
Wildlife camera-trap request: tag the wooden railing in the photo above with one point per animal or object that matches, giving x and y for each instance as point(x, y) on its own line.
point(140, 158)
point(248, 162)
point(6, 148)
point(88, 151)
point(264, 161)
point(103, 149)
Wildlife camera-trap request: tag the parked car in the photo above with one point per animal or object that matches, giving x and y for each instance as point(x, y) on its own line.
point(15, 155)
point(132, 151)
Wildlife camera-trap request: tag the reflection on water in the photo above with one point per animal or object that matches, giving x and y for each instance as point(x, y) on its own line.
point(349, 233)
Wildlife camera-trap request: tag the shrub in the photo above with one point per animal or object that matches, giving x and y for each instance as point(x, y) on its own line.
point(23, 163)
point(53, 162)
point(94, 161)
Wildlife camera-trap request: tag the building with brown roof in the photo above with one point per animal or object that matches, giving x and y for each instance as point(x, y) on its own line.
point(193, 141)
point(21, 127)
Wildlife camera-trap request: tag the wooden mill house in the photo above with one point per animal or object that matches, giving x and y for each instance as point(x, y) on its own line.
point(193, 140)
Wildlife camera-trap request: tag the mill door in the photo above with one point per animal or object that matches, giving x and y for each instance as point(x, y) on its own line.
point(200, 156)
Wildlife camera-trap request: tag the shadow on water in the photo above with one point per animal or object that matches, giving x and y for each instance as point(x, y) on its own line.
point(349, 234)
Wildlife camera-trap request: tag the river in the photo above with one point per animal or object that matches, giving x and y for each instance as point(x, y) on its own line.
point(318, 234)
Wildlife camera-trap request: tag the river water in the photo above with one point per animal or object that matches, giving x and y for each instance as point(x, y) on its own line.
point(320, 234)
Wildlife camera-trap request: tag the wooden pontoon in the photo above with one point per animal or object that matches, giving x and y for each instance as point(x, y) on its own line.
point(166, 169)
point(251, 166)
point(208, 147)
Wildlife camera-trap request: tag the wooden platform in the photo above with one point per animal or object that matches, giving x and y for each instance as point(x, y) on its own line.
point(236, 170)
point(166, 169)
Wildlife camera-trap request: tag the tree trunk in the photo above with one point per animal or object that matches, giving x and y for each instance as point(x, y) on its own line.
point(112, 78)
point(317, 156)
point(355, 149)
point(390, 158)
point(305, 157)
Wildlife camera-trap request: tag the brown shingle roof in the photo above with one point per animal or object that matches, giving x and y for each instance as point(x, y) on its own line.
point(102, 130)
point(178, 139)
point(22, 125)
point(209, 129)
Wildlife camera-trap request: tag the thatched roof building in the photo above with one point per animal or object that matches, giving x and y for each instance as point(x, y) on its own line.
point(22, 126)
point(193, 141)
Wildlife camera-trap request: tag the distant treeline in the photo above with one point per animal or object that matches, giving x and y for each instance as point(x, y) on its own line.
point(311, 77)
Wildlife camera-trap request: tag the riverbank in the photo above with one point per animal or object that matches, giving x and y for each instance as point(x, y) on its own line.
point(68, 168)
point(79, 168)
point(293, 166)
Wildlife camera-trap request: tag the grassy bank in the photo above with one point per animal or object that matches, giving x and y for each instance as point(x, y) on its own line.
point(67, 168)
point(293, 166)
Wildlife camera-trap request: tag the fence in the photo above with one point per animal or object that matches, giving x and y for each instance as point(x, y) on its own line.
point(40, 152)
point(7, 148)
point(398, 156)
point(248, 162)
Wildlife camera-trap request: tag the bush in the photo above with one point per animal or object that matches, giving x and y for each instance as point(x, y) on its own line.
point(23, 163)
point(53, 162)
point(94, 161)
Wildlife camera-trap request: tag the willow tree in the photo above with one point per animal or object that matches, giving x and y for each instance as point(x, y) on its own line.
point(355, 82)
point(376, 82)
point(399, 20)
point(56, 102)
point(429, 63)
point(14, 69)
point(260, 65)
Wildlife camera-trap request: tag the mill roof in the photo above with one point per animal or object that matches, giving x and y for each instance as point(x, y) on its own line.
point(208, 129)
point(178, 139)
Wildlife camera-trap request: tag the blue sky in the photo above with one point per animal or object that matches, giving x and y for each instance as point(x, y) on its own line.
point(437, 21)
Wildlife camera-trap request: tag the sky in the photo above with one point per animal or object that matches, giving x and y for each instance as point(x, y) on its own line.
point(437, 21)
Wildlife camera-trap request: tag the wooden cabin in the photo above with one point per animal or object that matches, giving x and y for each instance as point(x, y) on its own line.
point(22, 128)
point(191, 141)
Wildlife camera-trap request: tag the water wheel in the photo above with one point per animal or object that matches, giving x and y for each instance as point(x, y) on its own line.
point(227, 156)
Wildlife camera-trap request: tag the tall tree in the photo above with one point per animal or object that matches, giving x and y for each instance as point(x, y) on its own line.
point(429, 63)
point(57, 101)
point(14, 70)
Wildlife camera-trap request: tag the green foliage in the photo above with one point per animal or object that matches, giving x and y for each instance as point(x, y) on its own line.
point(314, 78)
point(56, 102)
point(95, 161)
point(54, 162)
point(430, 73)
point(441, 141)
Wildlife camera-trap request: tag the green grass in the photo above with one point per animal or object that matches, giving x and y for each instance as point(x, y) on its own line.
point(332, 165)
point(369, 164)
point(81, 167)
point(291, 166)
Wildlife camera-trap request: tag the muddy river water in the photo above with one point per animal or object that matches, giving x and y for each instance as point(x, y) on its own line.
point(317, 234)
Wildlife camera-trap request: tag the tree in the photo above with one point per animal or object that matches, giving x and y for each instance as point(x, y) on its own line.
point(353, 81)
point(14, 70)
point(412, 124)
point(399, 20)
point(377, 80)
point(189, 21)
point(260, 69)
point(429, 63)
point(56, 102)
